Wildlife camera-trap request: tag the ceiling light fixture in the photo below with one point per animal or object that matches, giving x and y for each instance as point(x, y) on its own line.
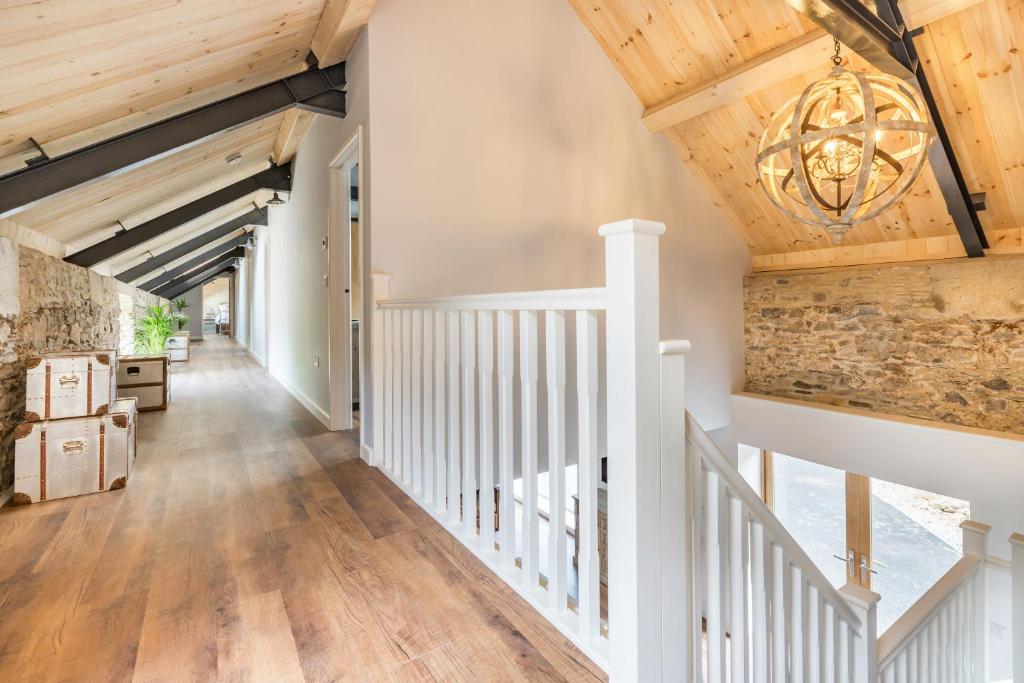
point(275, 200)
point(845, 150)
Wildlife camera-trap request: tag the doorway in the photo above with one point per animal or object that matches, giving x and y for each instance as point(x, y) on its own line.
point(893, 539)
point(343, 243)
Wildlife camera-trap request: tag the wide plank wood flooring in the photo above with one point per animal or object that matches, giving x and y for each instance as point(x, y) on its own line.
point(253, 545)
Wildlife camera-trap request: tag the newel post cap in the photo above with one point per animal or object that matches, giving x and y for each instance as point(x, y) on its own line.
point(632, 226)
point(860, 597)
point(674, 347)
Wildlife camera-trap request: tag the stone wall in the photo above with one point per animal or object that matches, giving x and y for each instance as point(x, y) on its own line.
point(48, 305)
point(941, 341)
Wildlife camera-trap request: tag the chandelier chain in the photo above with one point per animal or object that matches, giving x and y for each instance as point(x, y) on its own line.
point(836, 59)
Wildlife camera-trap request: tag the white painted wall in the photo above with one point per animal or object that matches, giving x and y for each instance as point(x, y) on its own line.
point(502, 138)
point(194, 311)
point(243, 302)
point(298, 298)
point(258, 263)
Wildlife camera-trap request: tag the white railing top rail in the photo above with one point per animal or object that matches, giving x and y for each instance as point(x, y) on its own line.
point(908, 626)
point(592, 299)
point(715, 460)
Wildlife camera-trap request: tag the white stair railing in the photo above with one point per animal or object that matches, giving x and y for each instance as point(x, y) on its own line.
point(1017, 606)
point(770, 614)
point(471, 393)
point(942, 636)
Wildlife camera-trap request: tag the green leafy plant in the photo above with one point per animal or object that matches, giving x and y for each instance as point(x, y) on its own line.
point(180, 305)
point(154, 329)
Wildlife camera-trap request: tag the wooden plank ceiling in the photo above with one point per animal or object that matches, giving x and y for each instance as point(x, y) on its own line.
point(77, 73)
point(711, 72)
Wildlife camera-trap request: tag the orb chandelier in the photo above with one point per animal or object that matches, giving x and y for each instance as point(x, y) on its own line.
point(845, 150)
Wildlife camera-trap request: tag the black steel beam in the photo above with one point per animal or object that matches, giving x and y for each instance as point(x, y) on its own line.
point(197, 279)
point(274, 178)
point(318, 90)
point(193, 263)
point(233, 253)
point(882, 39)
point(256, 216)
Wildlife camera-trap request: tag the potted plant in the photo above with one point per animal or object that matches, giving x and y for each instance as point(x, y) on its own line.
point(154, 329)
point(180, 305)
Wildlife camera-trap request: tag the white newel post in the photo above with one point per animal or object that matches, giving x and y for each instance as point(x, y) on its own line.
point(380, 284)
point(634, 460)
point(865, 646)
point(1017, 623)
point(976, 543)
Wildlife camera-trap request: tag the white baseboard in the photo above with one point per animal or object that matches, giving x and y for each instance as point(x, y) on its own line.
point(367, 454)
point(256, 357)
point(318, 412)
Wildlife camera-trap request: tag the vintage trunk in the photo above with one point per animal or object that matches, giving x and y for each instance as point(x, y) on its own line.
point(145, 378)
point(77, 455)
point(59, 385)
point(177, 347)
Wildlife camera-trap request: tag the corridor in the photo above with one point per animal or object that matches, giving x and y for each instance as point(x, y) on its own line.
point(252, 544)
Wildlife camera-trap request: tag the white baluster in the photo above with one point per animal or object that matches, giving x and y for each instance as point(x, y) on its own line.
point(528, 393)
point(416, 370)
point(454, 405)
point(485, 364)
point(429, 454)
point(912, 660)
point(589, 473)
point(759, 603)
point(554, 347)
point(738, 590)
point(387, 414)
point(828, 645)
point(713, 577)
point(844, 673)
point(813, 639)
point(396, 395)
point(956, 631)
point(469, 446)
point(797, 661)
point(440, 415)
point(506, 467)
point(778, 601)
point(407, 396)
point(676, 519)
point(865, 645)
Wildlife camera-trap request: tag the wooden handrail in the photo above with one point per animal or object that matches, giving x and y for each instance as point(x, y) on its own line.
point(739, 487)
point(591, 299)
point(906, 628)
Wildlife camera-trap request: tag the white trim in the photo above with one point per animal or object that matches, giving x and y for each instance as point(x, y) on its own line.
point(339, 278)
point(591, 299)
point(366, 453)
point(308, 403)
point(259, 359)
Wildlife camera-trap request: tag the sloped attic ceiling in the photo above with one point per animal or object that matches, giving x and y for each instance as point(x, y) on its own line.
point(668, 50)
point(78, 73)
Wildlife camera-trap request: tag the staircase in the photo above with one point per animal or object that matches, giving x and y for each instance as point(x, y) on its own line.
point(472, 394)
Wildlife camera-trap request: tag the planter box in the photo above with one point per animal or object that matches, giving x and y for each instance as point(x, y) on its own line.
point(60, 385)
point(145, 377)
point(74, 456)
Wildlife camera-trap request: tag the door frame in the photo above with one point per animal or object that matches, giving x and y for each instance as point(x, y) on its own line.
point(857, 542)
point(339, 279)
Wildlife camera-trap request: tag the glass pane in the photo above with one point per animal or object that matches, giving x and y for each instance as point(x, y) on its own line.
point(810, 500)
point(915, 539)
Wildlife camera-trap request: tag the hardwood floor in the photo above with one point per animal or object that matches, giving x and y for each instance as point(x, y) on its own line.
point(252, 544)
